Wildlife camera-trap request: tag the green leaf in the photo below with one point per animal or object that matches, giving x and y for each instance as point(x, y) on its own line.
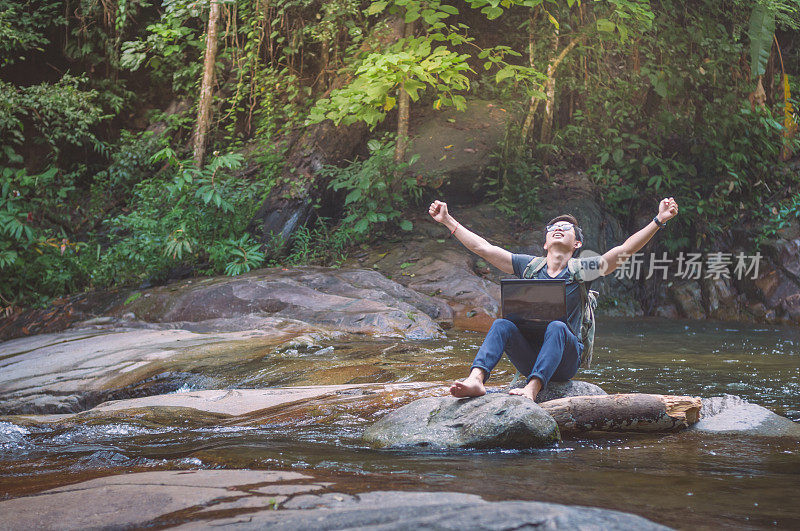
point(504, 74)
point(603, 24)
point(761, 32)
point(406, 225)
point(376, 7)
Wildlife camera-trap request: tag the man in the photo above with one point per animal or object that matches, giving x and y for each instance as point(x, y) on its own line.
point(560, 353)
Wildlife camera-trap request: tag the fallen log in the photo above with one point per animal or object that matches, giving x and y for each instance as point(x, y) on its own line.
point(624, 412)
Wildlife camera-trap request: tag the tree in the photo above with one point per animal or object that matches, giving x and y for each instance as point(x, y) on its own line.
point(206, 87)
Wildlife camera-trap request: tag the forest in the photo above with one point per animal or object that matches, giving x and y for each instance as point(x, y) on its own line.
point(144, 141)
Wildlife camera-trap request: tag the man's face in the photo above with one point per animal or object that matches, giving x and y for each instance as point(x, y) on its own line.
point(561, 234)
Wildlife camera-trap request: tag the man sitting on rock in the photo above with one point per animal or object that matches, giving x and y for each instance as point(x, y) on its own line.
point(560, 354)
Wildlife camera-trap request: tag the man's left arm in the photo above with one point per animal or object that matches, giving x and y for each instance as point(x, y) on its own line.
point(667, 209)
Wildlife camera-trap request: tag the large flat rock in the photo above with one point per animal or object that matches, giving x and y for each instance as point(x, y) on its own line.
point(348, 300)
point(77, 369)
point(254, 499)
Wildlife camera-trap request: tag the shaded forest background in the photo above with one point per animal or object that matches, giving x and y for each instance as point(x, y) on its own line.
point(128, 156)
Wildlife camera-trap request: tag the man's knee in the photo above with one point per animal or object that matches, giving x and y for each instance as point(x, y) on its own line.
point(503, 325)
point(555, 327)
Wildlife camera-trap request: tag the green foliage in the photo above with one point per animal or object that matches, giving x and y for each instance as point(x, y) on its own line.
point(199, 214)
point(761, 32)
point(323, 244)
point(57, 115)
point(777, 219)
point(236, 256)
point(412, 64)
point(22, 28)
point(377, 191)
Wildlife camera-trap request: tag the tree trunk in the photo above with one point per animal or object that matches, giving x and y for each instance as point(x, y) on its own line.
point(206, 87)
point(624, 412)
point(550, 95)
point(403, 110)
point(534, 103)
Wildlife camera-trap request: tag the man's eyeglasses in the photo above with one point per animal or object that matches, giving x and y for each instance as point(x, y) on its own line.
point(562, 226)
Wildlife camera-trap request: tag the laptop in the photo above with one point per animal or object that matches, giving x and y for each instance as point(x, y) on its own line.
point(532, 303)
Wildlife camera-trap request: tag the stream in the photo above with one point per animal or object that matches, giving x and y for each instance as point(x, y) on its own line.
point(686, 480)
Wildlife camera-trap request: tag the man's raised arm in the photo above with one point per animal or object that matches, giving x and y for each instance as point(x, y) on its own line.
point(498, 257)
point(667, 209)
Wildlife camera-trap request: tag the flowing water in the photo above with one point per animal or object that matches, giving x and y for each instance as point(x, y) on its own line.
point(685, 480)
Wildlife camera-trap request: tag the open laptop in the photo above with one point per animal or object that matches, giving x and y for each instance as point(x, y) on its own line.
point(532, 303)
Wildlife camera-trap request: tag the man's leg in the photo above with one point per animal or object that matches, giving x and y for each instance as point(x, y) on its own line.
point(503, 336)
point(558, 358)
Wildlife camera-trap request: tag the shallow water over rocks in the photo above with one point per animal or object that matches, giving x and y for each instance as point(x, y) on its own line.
point(683, 480)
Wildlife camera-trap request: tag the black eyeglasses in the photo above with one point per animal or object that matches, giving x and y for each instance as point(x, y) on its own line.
point(561, 225)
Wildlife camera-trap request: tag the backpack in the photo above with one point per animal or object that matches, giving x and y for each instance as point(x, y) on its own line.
point(588, 305)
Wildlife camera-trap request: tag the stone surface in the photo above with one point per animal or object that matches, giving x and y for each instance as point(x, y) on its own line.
point(455, 147)
point(556, 390)
point(74, 370)
point(729, 414)
point(429, 510)
point(348, 300)
point(688, 298)
point(491, 421)
point(248, 499)
point(135, 500)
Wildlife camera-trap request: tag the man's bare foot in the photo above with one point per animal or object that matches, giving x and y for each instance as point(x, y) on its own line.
point(523, 391)
point(530, 390)
point(469, 387)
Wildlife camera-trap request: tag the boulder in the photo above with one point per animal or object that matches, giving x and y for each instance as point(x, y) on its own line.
point(427, 510)
point(556, 390)
point(688, 298)
point(258, 499)
point(349, 300)
point(490, 421)
point(456, 146)
point(730, 414)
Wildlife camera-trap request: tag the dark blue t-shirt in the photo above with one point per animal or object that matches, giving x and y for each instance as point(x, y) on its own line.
point(573, 317)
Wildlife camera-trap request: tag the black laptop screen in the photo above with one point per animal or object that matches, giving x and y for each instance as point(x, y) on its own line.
point(532, 301)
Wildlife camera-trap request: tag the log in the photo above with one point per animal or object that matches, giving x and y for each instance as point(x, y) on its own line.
point(624, 412)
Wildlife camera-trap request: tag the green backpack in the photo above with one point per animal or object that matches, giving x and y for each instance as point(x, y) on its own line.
point(588, 298)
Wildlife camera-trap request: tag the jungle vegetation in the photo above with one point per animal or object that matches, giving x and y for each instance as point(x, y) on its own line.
point(138, 138)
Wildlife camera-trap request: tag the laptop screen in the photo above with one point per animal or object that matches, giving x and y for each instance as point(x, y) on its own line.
point(533, 301)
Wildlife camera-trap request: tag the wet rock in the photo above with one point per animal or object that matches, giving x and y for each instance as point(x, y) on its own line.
point(688, 298)
point(490, 421)
point(349, 300)
point(425, 510)
point(136, 500)
point(730, 414)
point(76, 370)
point(556, 390)
point(248, 499)
point(723, 299)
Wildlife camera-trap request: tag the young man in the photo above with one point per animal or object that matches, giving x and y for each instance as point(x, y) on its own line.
point(560, 353)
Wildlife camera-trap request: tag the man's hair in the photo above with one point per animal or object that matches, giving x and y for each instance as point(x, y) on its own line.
point(570, 218)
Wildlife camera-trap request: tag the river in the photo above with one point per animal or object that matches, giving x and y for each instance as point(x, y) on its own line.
point(686, 480)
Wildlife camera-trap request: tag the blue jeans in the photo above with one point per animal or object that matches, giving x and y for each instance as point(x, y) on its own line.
point(557, 359)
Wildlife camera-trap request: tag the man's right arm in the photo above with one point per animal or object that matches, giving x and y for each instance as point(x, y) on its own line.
point(498, 257)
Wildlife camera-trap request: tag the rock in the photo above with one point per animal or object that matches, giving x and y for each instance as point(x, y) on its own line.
point(722, 299)
point(248, 499)
point(556, 390)
point(457, 145)
point(349, 300)
point(688, 298)
point(489, 421)
point(729, 414)
point(75, 370)
point(426, 510)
